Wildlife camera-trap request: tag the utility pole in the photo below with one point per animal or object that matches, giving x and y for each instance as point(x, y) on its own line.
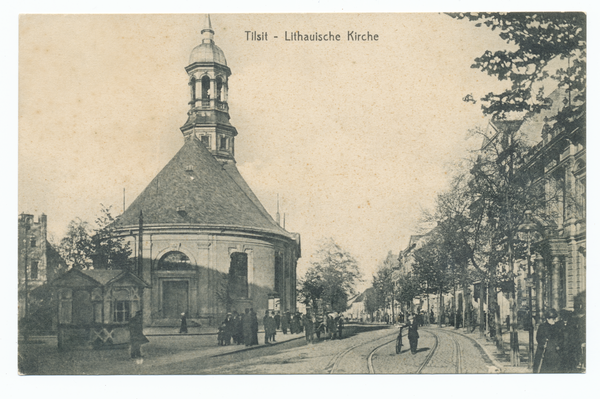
point(140, 257)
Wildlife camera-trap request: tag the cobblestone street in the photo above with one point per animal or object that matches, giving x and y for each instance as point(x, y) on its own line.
point(365, 349)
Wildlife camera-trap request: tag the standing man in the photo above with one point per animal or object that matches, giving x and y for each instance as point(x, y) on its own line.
point(550, 341)
point(183, 329)
point(277, 318)
point(137, 337)
point(285, 322)
point(340, 325)
point(413, 334)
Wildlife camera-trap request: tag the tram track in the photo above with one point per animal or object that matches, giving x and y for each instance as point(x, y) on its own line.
point(334, 364)
point(430, 354)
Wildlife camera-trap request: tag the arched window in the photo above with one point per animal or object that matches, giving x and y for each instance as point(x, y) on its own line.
point(205, 88)
point(193, 87)
point(174, 261)
point(238, 275)
point(219, 96)
point(279, 274)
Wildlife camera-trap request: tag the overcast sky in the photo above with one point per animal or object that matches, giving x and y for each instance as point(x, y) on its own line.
point(356, 137)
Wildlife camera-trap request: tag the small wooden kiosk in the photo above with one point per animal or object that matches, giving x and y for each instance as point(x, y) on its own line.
point(95, 306)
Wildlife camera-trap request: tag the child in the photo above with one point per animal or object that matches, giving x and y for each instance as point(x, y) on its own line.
point(221, 334)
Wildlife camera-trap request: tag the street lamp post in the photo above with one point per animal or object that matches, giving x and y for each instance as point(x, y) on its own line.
point(528, 226)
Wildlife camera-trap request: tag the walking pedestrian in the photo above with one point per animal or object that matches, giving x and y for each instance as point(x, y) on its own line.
point(550, 340)
point(183, 329)
point(247, 327)
point(254, 326)
point(413, 334)
point(137, 337)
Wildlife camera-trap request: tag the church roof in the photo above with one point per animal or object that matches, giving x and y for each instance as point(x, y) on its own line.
point(194, 188)
point(208, 52)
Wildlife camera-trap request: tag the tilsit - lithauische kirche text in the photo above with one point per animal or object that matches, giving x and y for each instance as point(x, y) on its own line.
point(208, 246)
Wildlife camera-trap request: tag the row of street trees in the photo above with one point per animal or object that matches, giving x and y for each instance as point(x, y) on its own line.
point(331, 279)
point(479, 220)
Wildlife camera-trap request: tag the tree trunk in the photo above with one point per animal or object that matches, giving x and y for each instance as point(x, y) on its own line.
point(481, 312)
point(440, 309)
point(498, 323)
point(466, 303)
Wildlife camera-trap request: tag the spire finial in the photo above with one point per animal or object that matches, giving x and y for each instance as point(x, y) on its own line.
point(207, 31)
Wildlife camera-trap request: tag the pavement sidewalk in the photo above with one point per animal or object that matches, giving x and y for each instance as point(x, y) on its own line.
point(500, 360)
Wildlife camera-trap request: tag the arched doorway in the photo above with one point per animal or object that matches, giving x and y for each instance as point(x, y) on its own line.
point(175, 286)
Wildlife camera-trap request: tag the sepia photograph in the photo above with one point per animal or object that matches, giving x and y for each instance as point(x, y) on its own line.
point(302, 193)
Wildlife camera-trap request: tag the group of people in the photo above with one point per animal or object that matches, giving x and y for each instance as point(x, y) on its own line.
point(330, 326)
point(242, 329)
point(560, 343)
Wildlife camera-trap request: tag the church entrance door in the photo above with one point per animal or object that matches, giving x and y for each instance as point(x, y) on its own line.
point(175, 299)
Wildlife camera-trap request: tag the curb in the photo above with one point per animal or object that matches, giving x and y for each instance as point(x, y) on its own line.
point(249, 348)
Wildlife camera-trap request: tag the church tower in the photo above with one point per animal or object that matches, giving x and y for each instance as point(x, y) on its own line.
point(208, 117)
point(207, 245)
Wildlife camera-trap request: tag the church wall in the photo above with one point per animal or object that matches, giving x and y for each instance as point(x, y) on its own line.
point(210, 256)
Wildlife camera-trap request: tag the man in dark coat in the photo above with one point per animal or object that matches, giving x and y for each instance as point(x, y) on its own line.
point(277, 319)
point(137, 337)
point(254, 321)
point(308, 327)
point(285, 322)
point(247, 327)
point(550, 341)
point(183, 329)
point(340, 326)
point(269, 326)
point(413, 334)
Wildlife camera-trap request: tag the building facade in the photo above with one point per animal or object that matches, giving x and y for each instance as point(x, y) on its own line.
point(38, 260)
point(203, 240)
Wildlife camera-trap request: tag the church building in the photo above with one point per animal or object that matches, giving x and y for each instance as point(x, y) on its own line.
point(203, 240)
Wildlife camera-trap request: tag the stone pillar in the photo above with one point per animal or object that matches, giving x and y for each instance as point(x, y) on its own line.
point(555, 282)
point(539, 288)
point(212, 93)
point(198, 91)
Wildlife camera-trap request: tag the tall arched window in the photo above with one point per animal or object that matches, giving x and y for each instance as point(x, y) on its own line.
point(219, 95)
point(174, 261)
point(279, 274)
point(205, 88)
point(238, 275)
